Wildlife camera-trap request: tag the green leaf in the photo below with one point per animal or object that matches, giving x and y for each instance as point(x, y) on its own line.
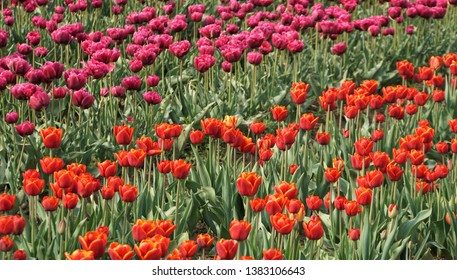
point(406, 228)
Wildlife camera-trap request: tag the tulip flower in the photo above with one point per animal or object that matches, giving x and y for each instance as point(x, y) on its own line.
point(95, 242)
point(204, 240)
point(107, 168)
point(148, 250)
point(188, 248)
point(226, 249)
point(239, 230)
point(282, 223)
point(123, 134)
point(7, 202)
point(279, 113)
point(248, 183)
point(118, 251)
point(314, 229)
point(272, 254)
point(128, 193)
point(180, 168)
point(80, 255)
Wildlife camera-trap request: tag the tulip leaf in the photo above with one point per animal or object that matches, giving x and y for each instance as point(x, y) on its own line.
point(406, 228)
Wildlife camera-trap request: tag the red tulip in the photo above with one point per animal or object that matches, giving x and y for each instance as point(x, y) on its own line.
point(136, 157)
point(188, 248)
point(165, 227)
point(257, 128)
point(196, 137)
point(279, 113)
point(332, 175)
point(313, 202)
point(19, 255)
point(352, 208)
point(416, 157)
point(50, 203)
point(275, 203)
point(272, 254)
point(248, 183)
point(180, 168)
point(314, 229)
point(226, 248)
point(405, 69)
point(204, 240)
point(257, 204)
point(122, 158)
point(308, 121)
point(107, 168)
point(95, 242)
point(374, 178)
point(298, 92)
point(148, 146)
point(51, 137)
point(380, 159)
point(394, 172)
point(51, 165)
point(363, 195)
point(323, 138)
point(6, 244)
point(123, 134)
point(118, 251)
point(6, 225)
point(80, 255)
point(148, 250)
point(70, 200)
point(289, 190)
point(239, 230)
point(354, 234)
point(128, 193)
point(7, 202)
point(33, 186)
point(282, 223)
point(65, 179)
point(363, 146)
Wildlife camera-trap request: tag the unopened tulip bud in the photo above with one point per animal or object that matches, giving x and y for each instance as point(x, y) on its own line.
point(61, 227)
point(393, 211)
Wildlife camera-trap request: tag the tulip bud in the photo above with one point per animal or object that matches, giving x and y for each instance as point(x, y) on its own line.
point(61, 227)
point(393, 211)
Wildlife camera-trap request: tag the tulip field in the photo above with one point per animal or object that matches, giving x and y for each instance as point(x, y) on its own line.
point(228, 129)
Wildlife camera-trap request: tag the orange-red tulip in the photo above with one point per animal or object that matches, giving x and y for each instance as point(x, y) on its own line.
point(314, 229)
point(94, 241)
point(226, 248)
point(107, 168)
point(80, 255)
point(128, 193)
point(118, 251)
point(50, 165)
point(289, 190)
point(148, 250)
point(123, 134)
point(279, 113)
point(239, 230)
point(136, 157)
point(7, 202)
point(204, 240)
point(282, 223)
point(272, 254)
point(188, 248)
point(50, 203)
point(33, 186)
point(51, 137)
point(248, 183)
point(180, 168)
